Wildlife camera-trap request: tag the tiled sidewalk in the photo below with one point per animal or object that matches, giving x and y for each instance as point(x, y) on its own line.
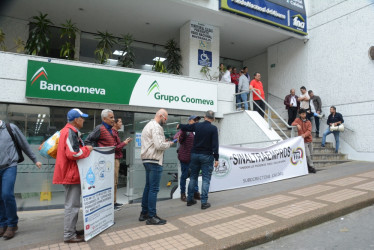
point(240, 224)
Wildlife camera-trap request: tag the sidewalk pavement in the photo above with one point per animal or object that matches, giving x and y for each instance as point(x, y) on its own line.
point(238, 218)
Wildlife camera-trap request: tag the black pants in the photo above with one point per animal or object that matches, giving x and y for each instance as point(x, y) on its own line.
point(262, 105)
point(292, 113)
point(316, 120)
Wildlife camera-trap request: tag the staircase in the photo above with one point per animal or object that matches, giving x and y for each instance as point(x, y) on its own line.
point(322, 157)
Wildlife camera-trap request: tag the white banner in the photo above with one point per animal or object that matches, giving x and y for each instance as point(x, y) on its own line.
point(243, 167)
point(97, 182)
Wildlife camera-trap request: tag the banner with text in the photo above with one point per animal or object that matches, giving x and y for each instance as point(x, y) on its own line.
point(242, 167)
point(97, 182)
point(84, 84)
point(289, 15)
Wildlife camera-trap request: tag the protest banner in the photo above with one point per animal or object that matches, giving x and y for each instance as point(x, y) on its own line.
point(242, 167)
point(97, 182)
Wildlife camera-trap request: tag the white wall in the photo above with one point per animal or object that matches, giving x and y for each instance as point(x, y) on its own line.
point(334, 63)
point(259, 63)
point(189, 51)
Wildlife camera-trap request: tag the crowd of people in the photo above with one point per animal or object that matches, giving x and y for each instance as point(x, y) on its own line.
point(198, 152)
point(243, 86)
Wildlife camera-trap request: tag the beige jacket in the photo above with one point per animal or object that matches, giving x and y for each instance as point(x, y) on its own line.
point(153, 143)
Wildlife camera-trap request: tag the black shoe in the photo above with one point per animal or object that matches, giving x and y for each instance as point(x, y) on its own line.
point(80, 232)
point(205, 205)
point(155, 220)
point(143, 217)
point(191, 202)
point(317, 136)
point(322, 145)
point(312, 170)
point(117, 208)
point(118, 204)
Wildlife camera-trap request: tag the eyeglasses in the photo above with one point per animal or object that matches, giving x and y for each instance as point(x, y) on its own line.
point(164, 117)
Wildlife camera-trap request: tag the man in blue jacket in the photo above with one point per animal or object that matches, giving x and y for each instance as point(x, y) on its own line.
point(204, 155)
point(9, 157)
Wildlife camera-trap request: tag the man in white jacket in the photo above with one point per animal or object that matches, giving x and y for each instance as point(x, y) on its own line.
point(153, 145)
point(227, 76)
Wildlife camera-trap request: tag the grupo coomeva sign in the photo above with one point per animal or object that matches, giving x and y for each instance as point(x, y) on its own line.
point(83, 84)
point(243, 167)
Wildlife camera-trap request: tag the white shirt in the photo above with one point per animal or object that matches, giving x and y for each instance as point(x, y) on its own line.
point(293, 101)
point(304, 104)
point(226, 77)
point(312, 108)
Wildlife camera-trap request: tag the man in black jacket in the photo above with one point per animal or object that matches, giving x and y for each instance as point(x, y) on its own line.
point(333, 119)
point(204, 155)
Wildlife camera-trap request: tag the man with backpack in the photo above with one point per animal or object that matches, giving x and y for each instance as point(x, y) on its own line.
point(12, 143)
point(185, 140)
point(70, 149)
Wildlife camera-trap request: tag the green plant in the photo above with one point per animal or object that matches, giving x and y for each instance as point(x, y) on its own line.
point(207, 72)
point(104, 47)
point(69, 30)
point(159, 66)
point(20, 45)
point(2, 40)
point(39, 35)
point(173, 56)
point(128, 56)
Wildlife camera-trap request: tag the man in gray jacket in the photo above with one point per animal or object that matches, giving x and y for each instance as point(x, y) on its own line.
point(9, 157)
point(243, 87)
point(153, 145)
point(315, 105)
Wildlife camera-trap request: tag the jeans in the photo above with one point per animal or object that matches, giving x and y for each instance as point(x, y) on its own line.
point(244, 97)
point(184, 169)
point(336, 135)
point(316, 120)
point(153, 174)
point(8, 206)
point(238, 98)
point(204, 163)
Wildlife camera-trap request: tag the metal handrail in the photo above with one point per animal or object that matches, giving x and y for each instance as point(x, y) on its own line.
point(254, 142)
point(270, 120)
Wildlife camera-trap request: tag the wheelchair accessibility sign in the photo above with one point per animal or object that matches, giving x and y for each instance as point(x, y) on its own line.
point(204, 58)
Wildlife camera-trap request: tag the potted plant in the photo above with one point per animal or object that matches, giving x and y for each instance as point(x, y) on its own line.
point(159, 66)
point(104, 47)
point(173, 56)
point(20, 45)
point(39, 35)
point(69, 31)
point(2, 40)
point(128, 57)
point(206, 71)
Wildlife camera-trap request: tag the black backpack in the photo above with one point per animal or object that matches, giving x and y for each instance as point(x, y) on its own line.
point(19, 151)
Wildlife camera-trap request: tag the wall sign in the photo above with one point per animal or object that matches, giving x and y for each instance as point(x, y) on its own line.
point(204, 58)
point(201, 31)
point(83, 84)
point(289, 15)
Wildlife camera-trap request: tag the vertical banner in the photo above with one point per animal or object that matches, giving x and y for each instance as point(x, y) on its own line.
point(97, 182)
point(242, 167)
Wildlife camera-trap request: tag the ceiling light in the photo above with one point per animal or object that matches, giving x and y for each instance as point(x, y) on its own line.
point(161, 59)
point(119, 53)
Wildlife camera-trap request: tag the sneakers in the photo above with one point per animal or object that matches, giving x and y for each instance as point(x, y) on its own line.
point(191, 202)
point(205, 205)
point(183, 197)
point(312, 170)
point(143, 217)
point(10, 232)
point(196, 196)
point(155, 220)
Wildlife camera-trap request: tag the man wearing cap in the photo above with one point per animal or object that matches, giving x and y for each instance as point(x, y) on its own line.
point(204, 156)
point(102, 136)
point(185, 140)
point(70, 149)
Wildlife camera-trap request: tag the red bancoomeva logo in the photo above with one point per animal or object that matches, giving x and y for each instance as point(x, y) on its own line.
point(39, 73)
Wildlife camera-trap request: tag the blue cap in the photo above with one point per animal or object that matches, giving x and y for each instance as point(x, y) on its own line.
point(194, 117)
point(75, 113)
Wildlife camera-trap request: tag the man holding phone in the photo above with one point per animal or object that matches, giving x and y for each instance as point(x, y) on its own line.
point(118, 156)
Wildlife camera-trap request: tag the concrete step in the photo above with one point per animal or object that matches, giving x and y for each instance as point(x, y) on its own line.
point(318, 144)
point(328, 163)
point(320, 150)
point(328, 156)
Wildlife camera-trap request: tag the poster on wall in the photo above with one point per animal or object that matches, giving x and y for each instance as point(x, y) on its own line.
point(242, 167)
point(201, 31)
point(204, 58)
point(97, 182)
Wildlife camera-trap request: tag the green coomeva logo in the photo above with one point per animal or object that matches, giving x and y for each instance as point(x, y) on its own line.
point(176, 98)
